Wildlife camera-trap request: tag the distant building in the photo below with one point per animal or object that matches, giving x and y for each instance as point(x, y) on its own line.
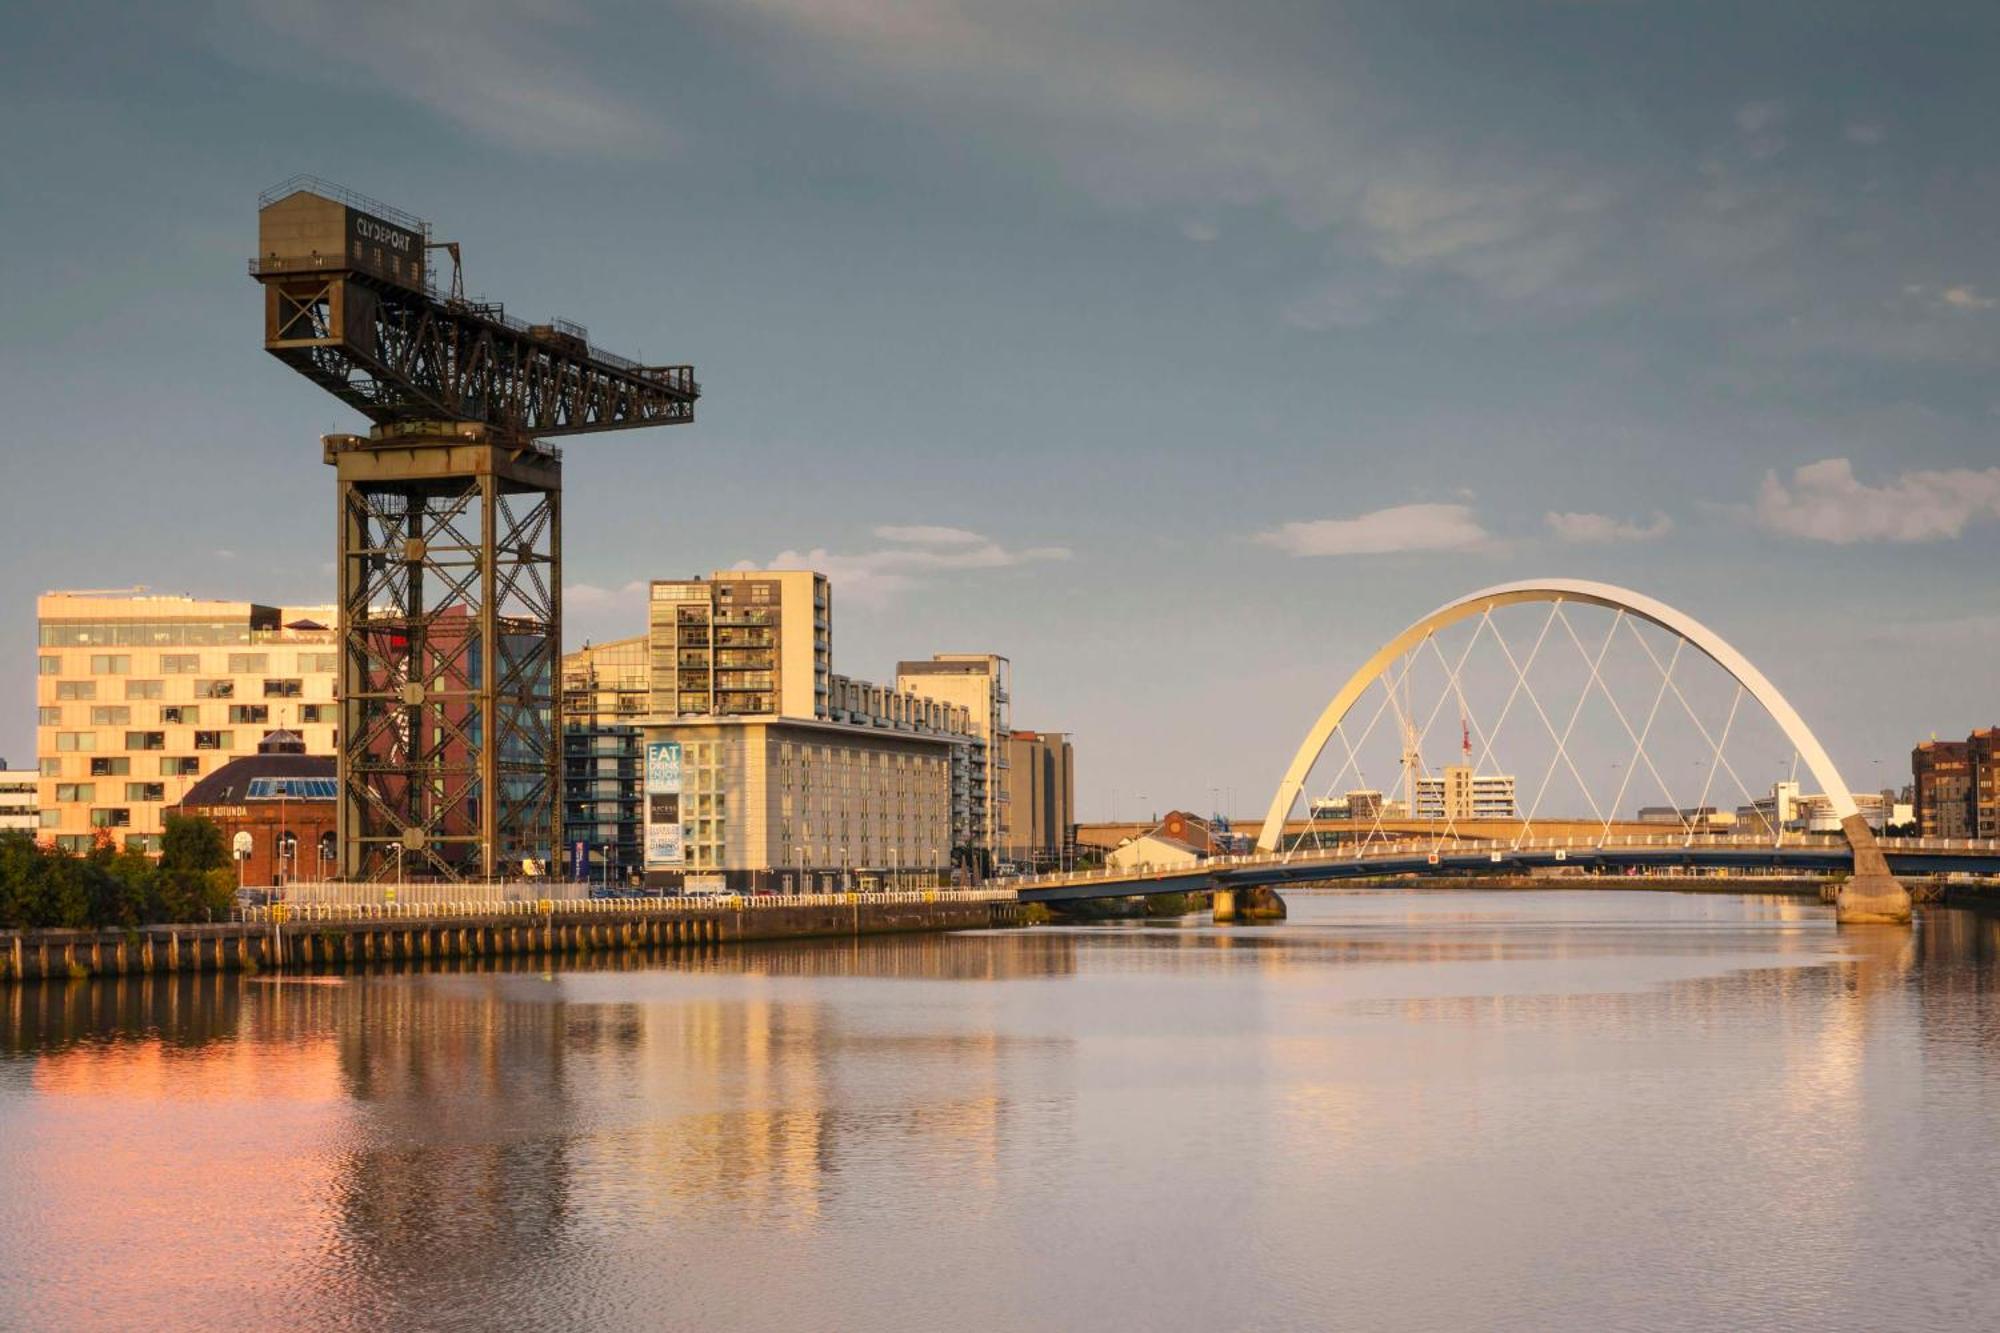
point(138, 697)
point(1459, 793)
point(1154, 851)
point(1689, 816)
point(284, 800)
point(1982, 750)
point(981, 684)
point(1361, 803)
point(1941, 773)
point(1041, 796)
point(18, 800)
point(606, 690)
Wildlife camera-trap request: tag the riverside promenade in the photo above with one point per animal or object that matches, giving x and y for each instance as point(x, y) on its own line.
point(323, 936)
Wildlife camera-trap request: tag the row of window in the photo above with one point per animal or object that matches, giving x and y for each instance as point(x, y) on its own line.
point(75, 793)
point(184, 715)
point(119, 766)
point(275, 687)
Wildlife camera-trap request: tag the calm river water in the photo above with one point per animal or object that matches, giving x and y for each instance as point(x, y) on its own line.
point(1431, 1111)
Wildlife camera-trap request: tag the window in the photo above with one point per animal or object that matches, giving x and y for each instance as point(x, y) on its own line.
point(76, 689)
point(111, 816)
point(145, 740)
point(148, 843)
point(245, 664)
point(317, 664)
point(114, 766)
point(46, 716)
point(51, 768)
point(76, 844)
point(69, 792)
point(51, 819)
point(215, 689)
point(51, 666)
point(145, 689)
point(284, 689)
point(249, 713)
point(145, 791)
point(180, 715)
point(76, 740)
point(315, 712)
point(180, 766)
point(111, 715)
point(180, 664)
point(214, 740)
point(110, 664)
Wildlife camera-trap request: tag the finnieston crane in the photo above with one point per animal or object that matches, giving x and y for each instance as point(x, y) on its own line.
point(450, 526)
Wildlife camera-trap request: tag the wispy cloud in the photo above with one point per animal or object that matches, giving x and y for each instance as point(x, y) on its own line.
point(918, 554)
point(1601, 529)
point(1826, 502)
point(1866, 133)
point(1965, 298)
point(499, 69)
point(1762, 126)
point(1414, 527)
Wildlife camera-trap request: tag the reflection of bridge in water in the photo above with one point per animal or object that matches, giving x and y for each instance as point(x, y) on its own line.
point(1655, 637)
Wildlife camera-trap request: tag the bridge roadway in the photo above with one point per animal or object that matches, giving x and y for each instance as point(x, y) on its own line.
point(1806, 852)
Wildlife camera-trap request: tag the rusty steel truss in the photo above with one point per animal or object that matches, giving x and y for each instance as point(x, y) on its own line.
point(450, 530)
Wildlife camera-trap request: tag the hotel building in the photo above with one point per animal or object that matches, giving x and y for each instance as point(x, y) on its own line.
point(138, 697)
point(980, 684)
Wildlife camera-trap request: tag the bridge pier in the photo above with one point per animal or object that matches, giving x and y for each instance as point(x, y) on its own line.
point(1871, 896)
point(1247, 904)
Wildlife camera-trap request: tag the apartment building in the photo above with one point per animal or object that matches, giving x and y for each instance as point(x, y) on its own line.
point(757, 768)
point(1041, 797)
point(19, 800)
point(1941, 773)
point(606, 693)
point(138, 697)
point(981, 684)
point(1460, 793)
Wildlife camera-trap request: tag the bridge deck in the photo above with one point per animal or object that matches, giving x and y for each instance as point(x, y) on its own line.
point(1807, 852)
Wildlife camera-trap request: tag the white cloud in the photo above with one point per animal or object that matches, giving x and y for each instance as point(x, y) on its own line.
point(496, 68)
point(874, 578)
point(924, 534)
point(1415, 527)
point(1965, 298)
point(1762, 126)
point(1866, 133)
point(591, 596)
point(1598, 529)
point(1826, 502)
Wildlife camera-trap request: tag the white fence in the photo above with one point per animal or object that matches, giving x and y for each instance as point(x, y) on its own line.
point(299, 912)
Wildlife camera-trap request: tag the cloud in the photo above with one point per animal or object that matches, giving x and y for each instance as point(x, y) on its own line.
point(1598, 529)
point(497, 68)
point(875, 578)
point(926, 535)
point(1965, 298)
point(1826, 502)
point(1865, 133)
point(591, 596)
point(1762, 127)
point(1415, 527)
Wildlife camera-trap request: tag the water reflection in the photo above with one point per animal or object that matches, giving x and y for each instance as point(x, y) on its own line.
point(1590, 1106)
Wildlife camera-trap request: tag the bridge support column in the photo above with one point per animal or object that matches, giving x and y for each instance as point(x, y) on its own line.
point(1871, 896)
point(1247, 904)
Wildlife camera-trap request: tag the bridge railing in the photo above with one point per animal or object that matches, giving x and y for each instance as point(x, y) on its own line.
point(308, 912)
point(1388, 849)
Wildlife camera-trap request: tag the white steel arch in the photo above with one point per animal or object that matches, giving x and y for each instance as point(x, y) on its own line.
point(1710, 644)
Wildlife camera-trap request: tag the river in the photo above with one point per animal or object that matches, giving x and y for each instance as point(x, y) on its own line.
point(1421, 1110)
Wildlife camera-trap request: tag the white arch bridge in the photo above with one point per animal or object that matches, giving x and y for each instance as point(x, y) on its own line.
point(1435, 832)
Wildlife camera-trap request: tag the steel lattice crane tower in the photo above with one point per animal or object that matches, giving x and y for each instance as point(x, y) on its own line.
point(450, 526)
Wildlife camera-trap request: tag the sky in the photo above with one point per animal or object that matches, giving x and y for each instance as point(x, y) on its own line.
point(1183, 353)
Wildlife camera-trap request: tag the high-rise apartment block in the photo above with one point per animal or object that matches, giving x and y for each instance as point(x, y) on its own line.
point(1041, 797)
point(1944, 783)
point(19, 800)
point(720, 751)
point(980, 684)
point(139, 696)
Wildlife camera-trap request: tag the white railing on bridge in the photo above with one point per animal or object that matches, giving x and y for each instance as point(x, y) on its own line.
point(1401, 848)
point(306, 912)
